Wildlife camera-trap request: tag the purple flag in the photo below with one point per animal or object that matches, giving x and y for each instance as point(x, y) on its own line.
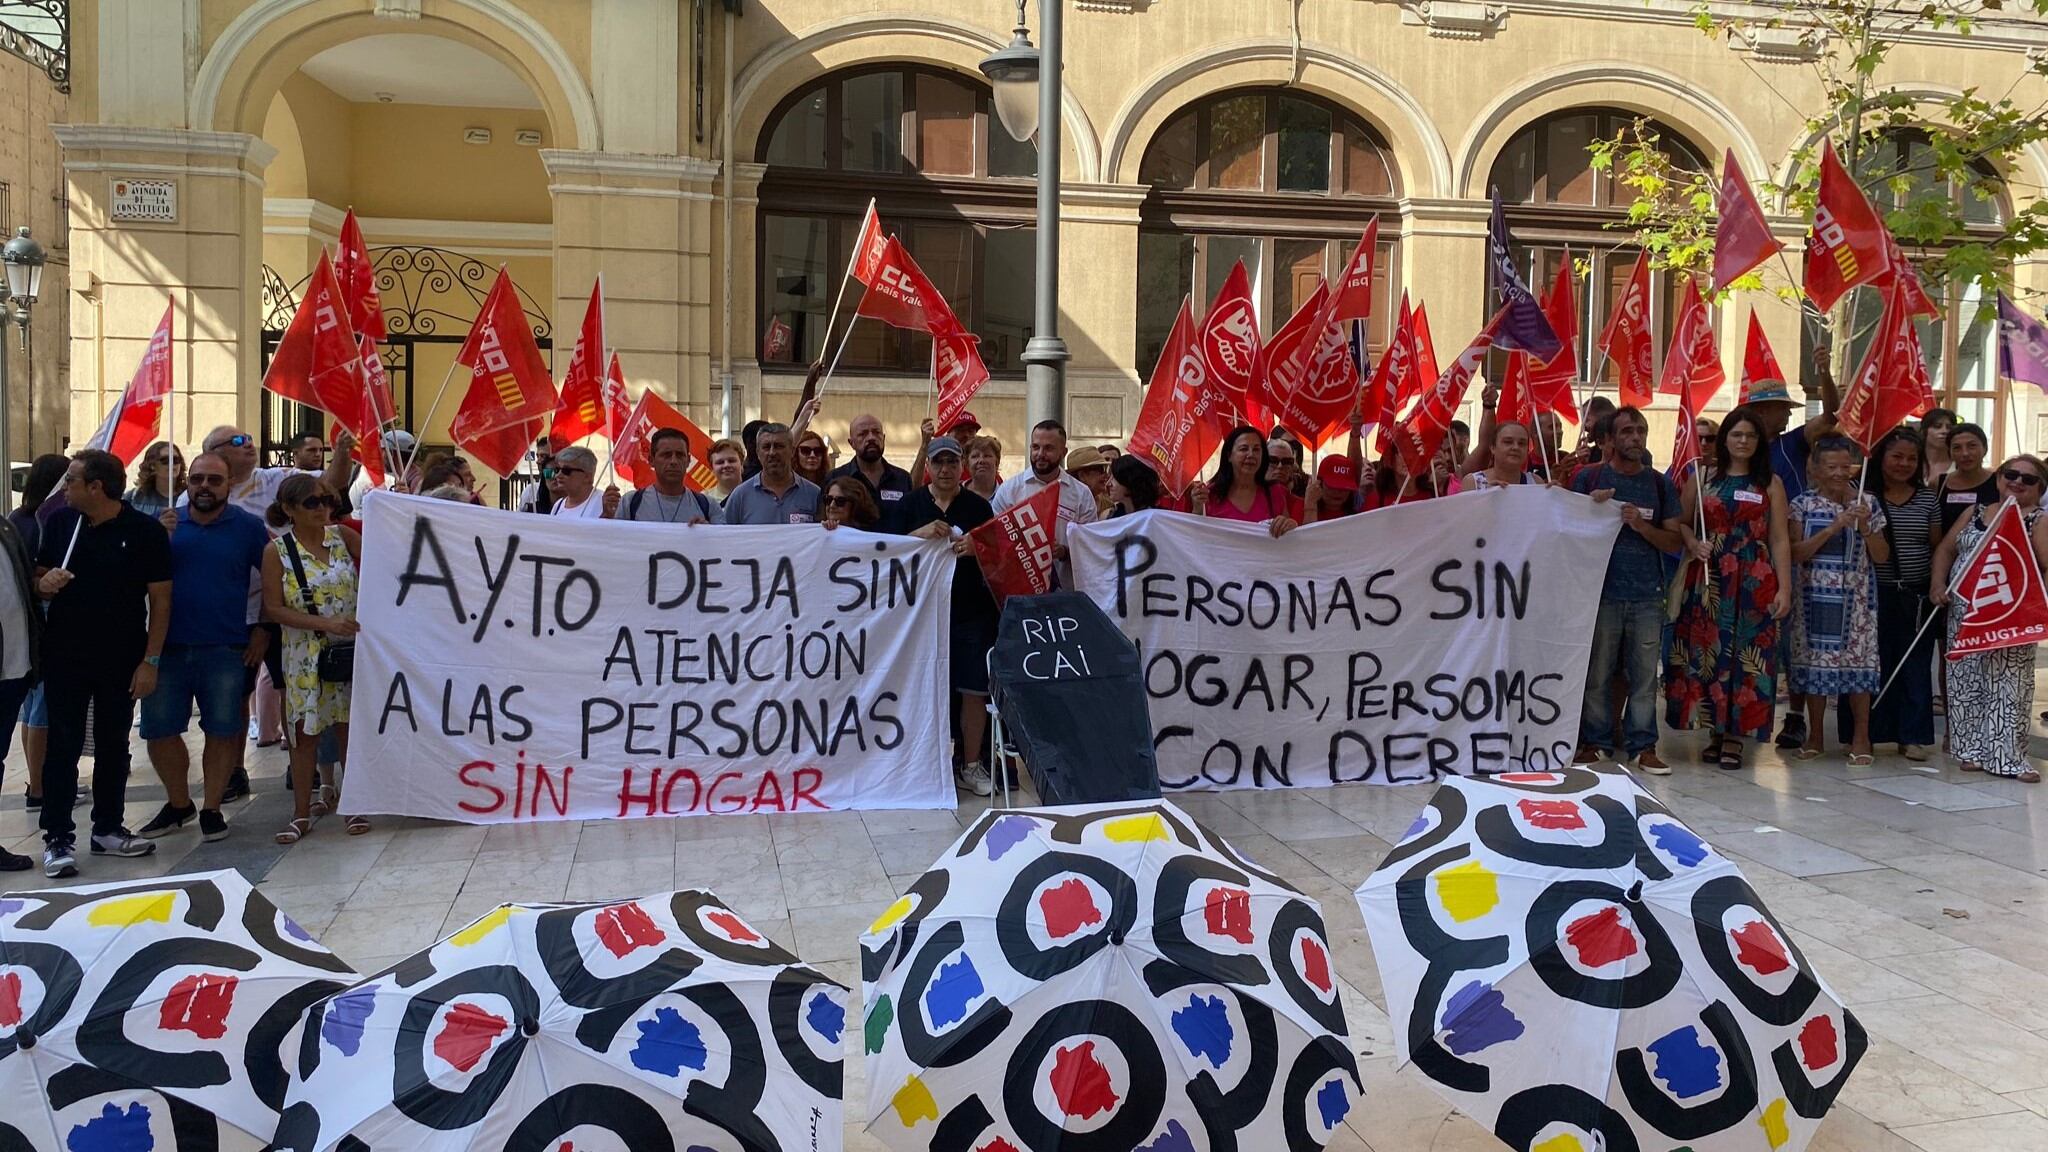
point(2022, 345)
point(1524, 327)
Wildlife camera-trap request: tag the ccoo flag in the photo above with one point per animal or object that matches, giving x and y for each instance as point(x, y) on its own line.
point(2022, 345)
point(2000, 591)
point(1523, 326)
point(1848, 245)
point(509, 385)
point(1015, 549)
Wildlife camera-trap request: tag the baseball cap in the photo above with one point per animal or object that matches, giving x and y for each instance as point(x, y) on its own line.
point(398, 440)
point(941, 444)
point(966, 420)
point(1337, 474)
point(1082, 459)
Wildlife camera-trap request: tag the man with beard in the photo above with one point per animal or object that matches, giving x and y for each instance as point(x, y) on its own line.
point(1628, 633)
point(1077, 501)
point(209, 650)
point(887, 483)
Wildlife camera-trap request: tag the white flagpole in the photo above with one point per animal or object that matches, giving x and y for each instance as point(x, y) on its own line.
point(75, 526)
point(836, 354)
point(171, 417)
point(420, 437)
point(852, 259)
point(1955, 580)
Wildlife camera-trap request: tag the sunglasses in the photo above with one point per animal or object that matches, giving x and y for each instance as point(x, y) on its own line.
point(207, 481)
point(837, 502)
point(2015, 476)
point(312, 502)
point(241, 441)
point(813, 450)
point(569, 470)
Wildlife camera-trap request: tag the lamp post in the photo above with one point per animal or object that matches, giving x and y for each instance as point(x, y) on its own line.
point(23, 258)
point(1026, 81)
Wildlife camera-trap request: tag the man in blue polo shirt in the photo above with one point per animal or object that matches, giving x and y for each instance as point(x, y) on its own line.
point(211, 644)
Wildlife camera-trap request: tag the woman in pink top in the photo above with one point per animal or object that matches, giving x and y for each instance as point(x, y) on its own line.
point(1241, 489)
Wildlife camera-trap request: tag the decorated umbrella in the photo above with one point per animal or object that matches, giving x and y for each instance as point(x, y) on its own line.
point(149, 1013)
point(1575, 969)
point(661, 1024)
point(1102, 978)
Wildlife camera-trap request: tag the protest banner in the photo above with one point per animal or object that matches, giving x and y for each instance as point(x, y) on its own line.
point(1393, 647)
point(520, 668)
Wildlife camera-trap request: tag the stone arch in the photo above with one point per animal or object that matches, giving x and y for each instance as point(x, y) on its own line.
point(1707, 123)
point(2034, 154)
point(826, 48)
point(1419, 153)
point(271, 39)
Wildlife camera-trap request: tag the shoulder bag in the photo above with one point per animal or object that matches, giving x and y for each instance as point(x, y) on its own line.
point(336, 662)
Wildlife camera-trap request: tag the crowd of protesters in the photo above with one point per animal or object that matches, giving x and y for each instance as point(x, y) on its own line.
point(1765, 574)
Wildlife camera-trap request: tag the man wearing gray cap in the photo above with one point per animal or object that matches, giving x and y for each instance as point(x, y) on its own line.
point(945, 509)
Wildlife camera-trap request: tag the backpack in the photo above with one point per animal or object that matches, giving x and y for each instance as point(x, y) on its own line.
point(633, 502)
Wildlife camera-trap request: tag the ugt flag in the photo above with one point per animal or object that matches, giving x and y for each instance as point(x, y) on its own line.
point(1015, 549)
point(1523, 326)
point(2000, 591)
point(1186, 414)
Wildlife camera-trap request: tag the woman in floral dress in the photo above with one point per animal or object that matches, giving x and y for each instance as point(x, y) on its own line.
point(1837, 540)
point(1991, 695)
point(1724, 652)
point(328, 554)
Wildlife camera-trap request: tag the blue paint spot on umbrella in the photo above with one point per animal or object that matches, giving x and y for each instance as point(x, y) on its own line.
point(1477, 1018)
point(1333, 1103)
point(342, 1027)
point(1006, 834)
point(1679, 843)
point(1684, 1065)
point(668, 1044)
point(7, 906)
point(1174, 1139)
point(826, 1018)
point(1421, 822)
point(113, 1130)
point(292, 929)
point(956, 986)
point(1204, 1029)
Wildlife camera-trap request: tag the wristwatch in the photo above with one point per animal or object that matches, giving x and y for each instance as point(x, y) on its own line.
point(153, 661)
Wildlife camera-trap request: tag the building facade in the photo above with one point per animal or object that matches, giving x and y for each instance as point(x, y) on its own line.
point(712, 158)
point(34, 87)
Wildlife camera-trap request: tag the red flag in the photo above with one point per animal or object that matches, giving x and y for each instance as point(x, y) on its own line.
point(1685, 441)
point(509, 385)
point(1848, 245)
point(776, 343)
point(358, 281)
point(1382, 400)
point(582, 409)
point(1515, 407)
point(1319, 409)
point(1758, 362)
point(1742, 237)
point(376, 413)
point(1891, 387)
point(136, 416)
point(1282, 359)
point(958, 373)
point(2000, 591)
point(1426, 369)
point(1550, 383)
point(632, 456)
point(1185, 416)
point(1626, 339)
point(1918, 303)
point(1422, 433)
point(1229, 344)
point(870, 248)
point(1015, 548)
point(1692, 365)
point(901, 294)
point(1351, 295)
point(316, 361)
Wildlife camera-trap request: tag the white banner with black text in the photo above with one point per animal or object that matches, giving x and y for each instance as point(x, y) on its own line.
point(1443, 637)
point(518, 668)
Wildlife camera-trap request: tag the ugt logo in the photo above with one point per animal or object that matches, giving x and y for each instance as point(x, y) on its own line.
point(1232, 343)
point(2000, 584)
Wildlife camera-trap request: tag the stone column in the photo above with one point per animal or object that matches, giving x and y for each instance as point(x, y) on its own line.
point(1098, 309)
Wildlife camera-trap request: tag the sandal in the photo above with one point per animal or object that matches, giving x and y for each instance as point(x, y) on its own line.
point(1861, 759)
point(1806, 753)
point(1969, 767)
point(295, 831)
point(357, 825)
point(1711, 754)
point(2030, 776)
point(1731, 754)
point(329, 797)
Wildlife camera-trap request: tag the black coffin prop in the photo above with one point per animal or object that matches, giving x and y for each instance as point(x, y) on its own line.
point(1071, 692)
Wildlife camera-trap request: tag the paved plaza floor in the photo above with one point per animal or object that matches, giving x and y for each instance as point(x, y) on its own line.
point(1920, 892)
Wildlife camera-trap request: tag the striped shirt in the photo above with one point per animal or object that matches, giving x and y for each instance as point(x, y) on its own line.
point(1913, 529)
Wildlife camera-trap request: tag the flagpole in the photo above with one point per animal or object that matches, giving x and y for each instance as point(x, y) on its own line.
point(420, 439)
point(852, 261)
point(170, 416)
point(1955, 581)
point(836, 354)
point(2012, 404)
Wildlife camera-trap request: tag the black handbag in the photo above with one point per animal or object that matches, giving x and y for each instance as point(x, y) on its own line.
point(336, 661)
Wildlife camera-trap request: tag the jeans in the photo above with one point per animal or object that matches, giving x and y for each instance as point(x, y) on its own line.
point(210, 675)
point(1627, 636)
point(101, 681)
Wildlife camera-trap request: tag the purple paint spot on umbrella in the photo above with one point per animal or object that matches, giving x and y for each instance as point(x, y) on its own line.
point(1204, 1029)
point(113, 1130)
point(1478, 1018)
point(1684, 1065)
point(1421, 822)
point(826, 1018)
point(1333, 1103)
point(1679, 843)
point(343, 1026)
point(956, 986)
point(668, 1044)
point(1006, 834)
point(292, 929)
point(1174, 1139)
point(7, 906)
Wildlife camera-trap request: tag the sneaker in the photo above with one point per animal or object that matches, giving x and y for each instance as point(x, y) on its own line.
point(168, 820)
point(60, 860)
point(120, 842)
point(1587, 755)
point(212, 825)
point(974, 778)
point(14, 862)
point(238, 787)
point(1793, 734)
point(1649, 762)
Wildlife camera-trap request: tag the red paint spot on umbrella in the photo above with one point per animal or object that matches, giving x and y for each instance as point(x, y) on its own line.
point(1759, 949)
point(1817, 1043)
point(10, 999)
point(199, 1004)
point(733, 926)
point(1315, 964)
point(1080, 1083)
point(1229, 912)
point(1068, 907)
point(623, 928)
point(466, 1035)
point(997, 1145)
point(1601, 939)
point(1530, 777)
point(1551, 813)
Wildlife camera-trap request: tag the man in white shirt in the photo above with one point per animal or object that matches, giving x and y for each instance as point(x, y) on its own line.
point(1077, 502)
point(577, 470)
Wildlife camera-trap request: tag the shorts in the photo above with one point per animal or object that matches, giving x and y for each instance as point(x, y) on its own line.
point(970, 660)
point(210, 675)
point(35, 710)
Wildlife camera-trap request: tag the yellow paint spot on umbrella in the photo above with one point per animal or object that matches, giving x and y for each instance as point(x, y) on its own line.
point(1468, 891)
point(891, 916)
point(1563, 1142)
point(1135, 829)
point(913, 1102)
point(1773, 1121)
point(491, 922)
point(131, 910)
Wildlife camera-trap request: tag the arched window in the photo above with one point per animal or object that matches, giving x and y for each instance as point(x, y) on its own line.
point(922, 144)
point(1557, 205)
point(1279, 179)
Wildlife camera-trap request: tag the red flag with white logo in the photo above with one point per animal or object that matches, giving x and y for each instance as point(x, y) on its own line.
point(870, 248)
point(1320, 406)
point(1229, 344)
point(1422, 433)
point(316, 361)
point(1185, 415)
point(1016, 548)
point(957, 372)
point(632, 456)
point(1550, 383)
point(376, 412)
point(2000, 593)
point(1759, 363)
point(1692, 365)
point(1390, 377)
point(509, 385)
point(1918, 302)
point(1351, 295)
point(1892, 385)
point(137, 415)
point(1626, 338)
point(903, 296)
point(1848, 244)
point(358, 279)
point(582, 409)
point(1515, 407)
point(1742, 237)
point(1282, 359)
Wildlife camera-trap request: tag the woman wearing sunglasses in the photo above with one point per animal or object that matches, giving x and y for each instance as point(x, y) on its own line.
point(1991, 696)
point(846, 501)
point(309, 587)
